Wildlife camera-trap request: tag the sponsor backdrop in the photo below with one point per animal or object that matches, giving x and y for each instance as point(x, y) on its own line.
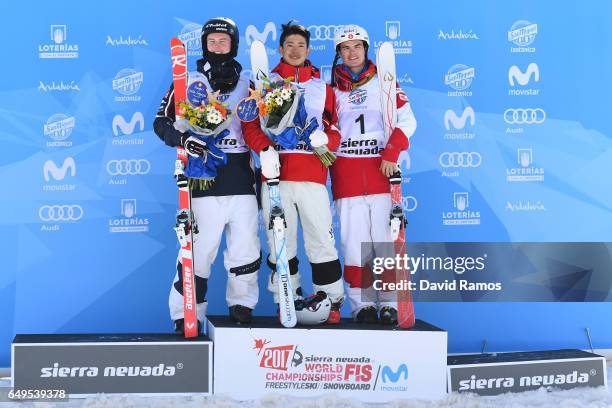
point(512, 146)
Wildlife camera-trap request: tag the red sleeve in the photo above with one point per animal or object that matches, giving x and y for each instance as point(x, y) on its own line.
point(254, 137)
point(330, 119)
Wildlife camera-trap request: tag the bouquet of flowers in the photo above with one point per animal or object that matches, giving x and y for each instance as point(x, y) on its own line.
point(283, 114)
point(210, 123)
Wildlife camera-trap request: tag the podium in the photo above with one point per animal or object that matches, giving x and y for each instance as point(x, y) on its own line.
point(83, 365)
point(371, 363)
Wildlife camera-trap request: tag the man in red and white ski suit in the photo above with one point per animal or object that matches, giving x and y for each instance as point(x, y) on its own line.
point(360, 183)
point(303, 177)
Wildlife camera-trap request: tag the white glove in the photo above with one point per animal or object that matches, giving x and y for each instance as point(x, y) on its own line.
point(270, 164)
point(318, 138)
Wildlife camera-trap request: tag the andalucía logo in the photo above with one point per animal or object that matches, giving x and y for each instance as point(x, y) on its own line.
point(289, 366)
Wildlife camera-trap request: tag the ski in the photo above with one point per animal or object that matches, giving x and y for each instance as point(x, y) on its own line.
point(278, 224)
point(385, 62)
point(185, 223)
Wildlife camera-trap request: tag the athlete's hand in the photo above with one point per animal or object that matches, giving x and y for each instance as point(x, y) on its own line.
point(388, 168)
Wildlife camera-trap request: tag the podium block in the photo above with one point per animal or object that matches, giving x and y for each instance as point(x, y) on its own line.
point(371, 363)
point(86, 364)
point(498, 373)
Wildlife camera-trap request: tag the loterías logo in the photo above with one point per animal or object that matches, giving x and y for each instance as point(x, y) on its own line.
point(59, 46)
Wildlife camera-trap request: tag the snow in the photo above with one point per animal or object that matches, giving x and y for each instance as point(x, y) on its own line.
point(593, 397)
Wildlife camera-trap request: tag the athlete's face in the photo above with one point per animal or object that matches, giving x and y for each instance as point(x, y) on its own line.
point(294, 50)
point(219, 43)
point(352, 53)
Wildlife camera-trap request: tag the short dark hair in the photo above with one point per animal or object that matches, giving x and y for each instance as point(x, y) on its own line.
point(290, 28)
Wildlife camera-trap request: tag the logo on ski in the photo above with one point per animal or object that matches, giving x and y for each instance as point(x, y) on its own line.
point(58, 47)
point(463, 214)
point(128, 222)
point(526, 171)
point(127, 82)
point(59, 128)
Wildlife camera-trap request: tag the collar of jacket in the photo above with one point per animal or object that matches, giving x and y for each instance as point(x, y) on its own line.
point(345, 81)
point(299, 74)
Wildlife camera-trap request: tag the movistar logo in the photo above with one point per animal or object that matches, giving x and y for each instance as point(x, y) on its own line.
point(58, 173)
point(523, 78)
point(127, 128)
point(458, 122)
point(388, 375)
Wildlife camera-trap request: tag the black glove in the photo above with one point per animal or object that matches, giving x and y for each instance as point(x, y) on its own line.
point(193, 145)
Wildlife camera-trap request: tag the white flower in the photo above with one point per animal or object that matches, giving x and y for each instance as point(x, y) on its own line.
point(278, 100)
point(286, 94)
point(213, 116)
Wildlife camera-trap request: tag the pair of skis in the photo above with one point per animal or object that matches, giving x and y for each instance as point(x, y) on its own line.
point(385, 63)
point(278, 224)
point(185, 222)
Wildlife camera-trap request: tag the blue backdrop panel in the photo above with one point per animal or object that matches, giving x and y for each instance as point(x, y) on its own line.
point(513, 145)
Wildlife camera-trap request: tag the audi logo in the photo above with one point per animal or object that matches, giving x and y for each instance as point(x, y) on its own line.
point(520, 116)
point(460, 159)
point(323, 32)
point(409, 203)
point(60, 212)
point(128, 167)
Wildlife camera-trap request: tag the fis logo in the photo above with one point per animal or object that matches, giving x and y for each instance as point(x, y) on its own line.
point(127, 128)
point(252, 34)
point(58, 173)
point(458, 122)
point(515, 74)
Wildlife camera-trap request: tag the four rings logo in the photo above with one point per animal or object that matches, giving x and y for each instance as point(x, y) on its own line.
point(460, 159)
point(524, 116)
point(323, 32)
point(409, 203)
point(128, 167)
point(60, 212)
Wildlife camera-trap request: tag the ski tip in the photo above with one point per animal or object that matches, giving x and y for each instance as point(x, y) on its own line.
point(289, 323)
